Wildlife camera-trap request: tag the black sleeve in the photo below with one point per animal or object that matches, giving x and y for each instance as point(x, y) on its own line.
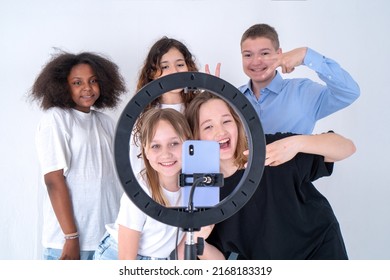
point(269, 138)
point(312, 167)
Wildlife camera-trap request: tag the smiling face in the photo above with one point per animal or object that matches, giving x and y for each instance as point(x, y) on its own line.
point(84, 87)
point(217, 123)
point(164, 150)
point(257, 57)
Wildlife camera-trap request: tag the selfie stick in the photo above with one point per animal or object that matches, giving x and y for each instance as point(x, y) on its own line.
point(193, 249)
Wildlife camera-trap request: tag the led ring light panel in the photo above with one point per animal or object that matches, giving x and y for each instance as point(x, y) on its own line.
point(252, 175)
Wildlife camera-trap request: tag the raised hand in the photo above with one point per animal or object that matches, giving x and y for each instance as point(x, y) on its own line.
point(217, 69)
point(287, 61)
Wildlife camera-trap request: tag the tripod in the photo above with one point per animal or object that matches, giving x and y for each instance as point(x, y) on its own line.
point(193, 249)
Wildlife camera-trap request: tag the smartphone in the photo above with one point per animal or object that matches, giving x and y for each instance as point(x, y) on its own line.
point(200, 157)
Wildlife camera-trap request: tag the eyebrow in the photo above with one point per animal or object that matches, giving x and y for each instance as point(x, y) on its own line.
point(177, 60)
point(169, 139)
point(208, 120)
point(202, 123)
point(263, 49)
point(77, 77)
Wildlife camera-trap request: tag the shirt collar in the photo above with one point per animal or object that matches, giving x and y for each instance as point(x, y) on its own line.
point(275, 86)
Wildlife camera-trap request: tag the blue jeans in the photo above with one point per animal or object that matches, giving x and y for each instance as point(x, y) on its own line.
point(55, 254)
point(107, 249)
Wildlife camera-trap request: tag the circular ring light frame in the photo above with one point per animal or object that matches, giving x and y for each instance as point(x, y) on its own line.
point(256, 140)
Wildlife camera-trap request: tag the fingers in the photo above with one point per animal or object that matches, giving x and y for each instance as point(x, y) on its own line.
point(207, 69)
point(217, 69)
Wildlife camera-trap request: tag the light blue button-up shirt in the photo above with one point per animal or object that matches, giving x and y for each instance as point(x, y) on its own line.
point(294, 105)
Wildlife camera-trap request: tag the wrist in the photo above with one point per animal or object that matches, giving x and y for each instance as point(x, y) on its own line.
point(73, 235)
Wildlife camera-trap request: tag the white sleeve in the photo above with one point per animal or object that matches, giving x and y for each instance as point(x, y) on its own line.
point(52, 143)
point(130, 215)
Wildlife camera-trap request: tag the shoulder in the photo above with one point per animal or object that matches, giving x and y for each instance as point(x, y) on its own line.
point(54, 115)
point(55, 112)
point(102, 117)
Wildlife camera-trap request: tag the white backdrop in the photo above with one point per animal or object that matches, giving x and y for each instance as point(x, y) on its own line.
point(354, 33)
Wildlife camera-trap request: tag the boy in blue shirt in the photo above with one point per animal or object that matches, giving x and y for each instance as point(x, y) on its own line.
point(291, 105)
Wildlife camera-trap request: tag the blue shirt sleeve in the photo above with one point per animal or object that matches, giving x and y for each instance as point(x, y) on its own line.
point(341, 89)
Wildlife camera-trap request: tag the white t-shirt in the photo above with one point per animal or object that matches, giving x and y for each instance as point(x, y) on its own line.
point(82, 145)
point(157, 239)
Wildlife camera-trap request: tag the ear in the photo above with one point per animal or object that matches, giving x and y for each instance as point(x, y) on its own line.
point(279, 51)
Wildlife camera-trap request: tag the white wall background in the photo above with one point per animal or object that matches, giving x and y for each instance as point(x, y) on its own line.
point(355, 33)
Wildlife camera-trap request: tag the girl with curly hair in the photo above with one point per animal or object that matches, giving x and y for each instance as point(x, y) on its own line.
point(75, 150)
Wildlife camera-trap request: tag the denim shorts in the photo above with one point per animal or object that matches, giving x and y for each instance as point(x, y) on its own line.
point(107, 249)
point(55, 254)
point(139, 257)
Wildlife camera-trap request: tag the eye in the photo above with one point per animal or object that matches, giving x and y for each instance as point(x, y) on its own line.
point(94, 81)
point(247, 55)
point(174, 144)
point(265, 53)
point(164, 67)
point(227, 121)
point(155, 146)
point(76, 83)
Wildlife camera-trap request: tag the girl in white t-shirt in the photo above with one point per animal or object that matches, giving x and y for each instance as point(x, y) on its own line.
point(75, 151)
point(135, 235)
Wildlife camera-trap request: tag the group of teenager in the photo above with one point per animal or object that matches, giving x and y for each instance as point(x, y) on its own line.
point(88, 216)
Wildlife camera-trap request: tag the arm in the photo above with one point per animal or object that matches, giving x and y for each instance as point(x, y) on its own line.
point(62, 206)
point(128, 240)
point(339, 83)
point(332, 146)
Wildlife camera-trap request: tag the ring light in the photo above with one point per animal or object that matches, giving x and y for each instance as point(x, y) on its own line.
point(256, 142)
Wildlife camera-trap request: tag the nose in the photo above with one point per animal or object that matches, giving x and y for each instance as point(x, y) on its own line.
point(258, 58)
point(219, 131)
point(86, 86)
point(166, 153)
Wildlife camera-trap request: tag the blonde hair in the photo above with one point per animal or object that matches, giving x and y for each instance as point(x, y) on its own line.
point(150, 119)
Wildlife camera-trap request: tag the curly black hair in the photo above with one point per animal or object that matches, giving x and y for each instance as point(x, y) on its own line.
point(51, 88)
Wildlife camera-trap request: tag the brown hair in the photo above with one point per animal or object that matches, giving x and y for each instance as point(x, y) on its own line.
point(262, 30)
point(192, 116)
point(51, 87)
point(147, 132)
point(152, 68)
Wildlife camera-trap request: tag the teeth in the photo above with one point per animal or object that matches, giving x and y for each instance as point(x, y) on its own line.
point(223, 141)
point(167, 163)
